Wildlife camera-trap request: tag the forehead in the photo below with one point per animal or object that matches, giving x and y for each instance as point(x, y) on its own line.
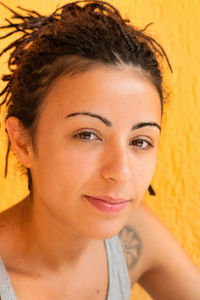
point(115, 92)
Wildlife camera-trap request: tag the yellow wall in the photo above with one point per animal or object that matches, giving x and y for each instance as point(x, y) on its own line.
point(177, 27)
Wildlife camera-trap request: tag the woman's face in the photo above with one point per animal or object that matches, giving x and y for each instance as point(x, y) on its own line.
point(97, 140)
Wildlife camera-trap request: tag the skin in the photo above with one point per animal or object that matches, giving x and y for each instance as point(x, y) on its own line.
point(107, 164)
point(156, 261)
point(117, 161)
point(57, 234)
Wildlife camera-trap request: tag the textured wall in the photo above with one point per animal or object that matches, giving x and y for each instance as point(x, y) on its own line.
point(176, 26)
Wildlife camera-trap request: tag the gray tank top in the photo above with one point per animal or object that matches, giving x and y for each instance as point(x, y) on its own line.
point(119, 283)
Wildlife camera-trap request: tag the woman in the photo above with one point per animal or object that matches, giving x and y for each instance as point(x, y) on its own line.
point(85, 104)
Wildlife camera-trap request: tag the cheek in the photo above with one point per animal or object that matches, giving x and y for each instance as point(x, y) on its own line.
point(145, 172)
point(62, 168)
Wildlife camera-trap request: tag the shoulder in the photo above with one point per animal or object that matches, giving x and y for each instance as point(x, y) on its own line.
point(10, 223)
point(136, 239)
point(146, 242)
point(154, 257)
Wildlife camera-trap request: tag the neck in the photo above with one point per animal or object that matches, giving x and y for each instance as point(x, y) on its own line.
point(51, 242)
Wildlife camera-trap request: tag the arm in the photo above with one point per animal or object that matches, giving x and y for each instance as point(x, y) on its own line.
point(156, 260)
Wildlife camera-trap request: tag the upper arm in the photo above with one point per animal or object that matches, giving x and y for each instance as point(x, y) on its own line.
point(156, 260)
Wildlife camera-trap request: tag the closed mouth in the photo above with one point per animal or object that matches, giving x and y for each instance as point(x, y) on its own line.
point(108, 204)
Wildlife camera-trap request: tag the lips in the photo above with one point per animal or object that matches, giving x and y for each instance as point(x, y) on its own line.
point(108, 204)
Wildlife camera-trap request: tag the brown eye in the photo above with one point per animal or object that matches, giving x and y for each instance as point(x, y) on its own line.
point(86, 136)
point(141, 143)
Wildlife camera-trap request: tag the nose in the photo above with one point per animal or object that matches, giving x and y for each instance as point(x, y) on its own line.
point(117, 165)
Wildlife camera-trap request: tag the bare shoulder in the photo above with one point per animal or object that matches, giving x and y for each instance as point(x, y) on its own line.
point(10, 222)
point(154, 257)
point(136, 241)
point(7, 226)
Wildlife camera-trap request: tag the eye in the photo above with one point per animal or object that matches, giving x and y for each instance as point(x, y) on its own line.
point(142, 144)
point(86, 136)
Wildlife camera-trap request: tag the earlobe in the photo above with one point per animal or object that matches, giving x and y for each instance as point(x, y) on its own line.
point(19, 140)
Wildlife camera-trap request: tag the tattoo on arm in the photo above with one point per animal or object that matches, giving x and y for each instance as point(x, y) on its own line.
point(131, 245)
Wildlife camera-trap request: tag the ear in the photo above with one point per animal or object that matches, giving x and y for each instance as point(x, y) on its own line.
point(20, 140)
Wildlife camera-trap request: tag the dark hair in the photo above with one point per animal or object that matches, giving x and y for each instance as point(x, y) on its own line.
point(70, 40)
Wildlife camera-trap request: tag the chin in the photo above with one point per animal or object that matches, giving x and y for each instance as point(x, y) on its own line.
point(106, 229)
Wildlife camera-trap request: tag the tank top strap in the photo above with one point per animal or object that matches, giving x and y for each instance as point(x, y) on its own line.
point(119, 282)
point(6, 290)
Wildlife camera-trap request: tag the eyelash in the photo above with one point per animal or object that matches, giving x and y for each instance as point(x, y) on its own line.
point(78, 136)
point(148, 144)
point(134, 142)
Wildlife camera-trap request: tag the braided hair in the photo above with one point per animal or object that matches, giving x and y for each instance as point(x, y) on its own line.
point(68, 41)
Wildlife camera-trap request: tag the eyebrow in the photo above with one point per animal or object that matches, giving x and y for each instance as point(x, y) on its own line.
point(104, 120)
point(109, 124)
point(144, 124)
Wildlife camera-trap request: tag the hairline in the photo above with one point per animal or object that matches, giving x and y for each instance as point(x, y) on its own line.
point(76, 65)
